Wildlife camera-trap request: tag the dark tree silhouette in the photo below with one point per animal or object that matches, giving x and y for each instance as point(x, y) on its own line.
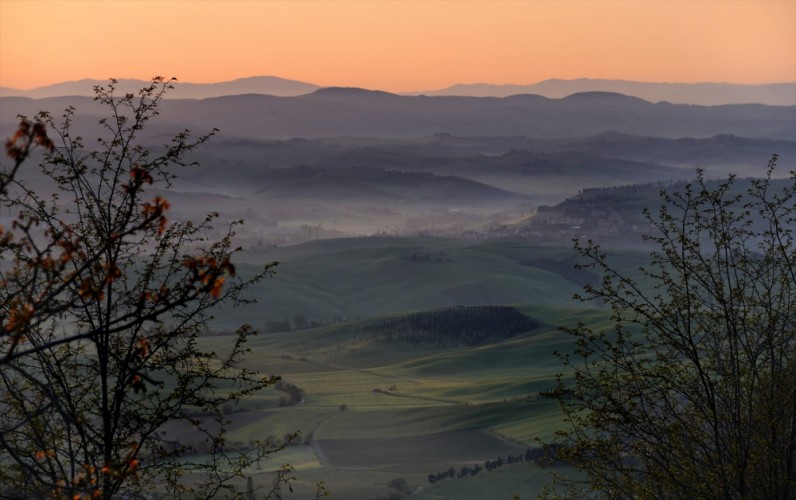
point(692, 394)
point(102, 304)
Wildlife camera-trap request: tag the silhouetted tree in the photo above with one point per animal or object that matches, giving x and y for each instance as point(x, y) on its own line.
point(102, 302)
point(692, 393)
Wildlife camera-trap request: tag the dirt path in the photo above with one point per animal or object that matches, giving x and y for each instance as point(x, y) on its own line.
point(319, 454)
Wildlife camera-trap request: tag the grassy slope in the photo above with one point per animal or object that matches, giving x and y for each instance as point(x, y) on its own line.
point(437, 408)
point(410, 410)
point(367, 277)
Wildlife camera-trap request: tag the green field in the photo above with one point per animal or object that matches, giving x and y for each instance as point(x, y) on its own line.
point(416, 413)
point(377, 411)
point(352, 278)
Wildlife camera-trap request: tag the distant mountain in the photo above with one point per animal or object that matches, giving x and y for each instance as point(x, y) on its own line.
point(270, 85)
point(362, 169)
point(330, 112)
point(357, 112)
point(706, 94)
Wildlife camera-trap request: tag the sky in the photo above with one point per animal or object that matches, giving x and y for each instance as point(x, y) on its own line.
point(398, 45)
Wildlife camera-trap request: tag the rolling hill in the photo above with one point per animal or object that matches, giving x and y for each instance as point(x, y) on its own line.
point(270, 85)
point(705, 94)
point(355, 112)
point(348, 278)
point(369, 184)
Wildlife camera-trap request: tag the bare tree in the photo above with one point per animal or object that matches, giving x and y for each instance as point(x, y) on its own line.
point(102, 305)
point(692, 394)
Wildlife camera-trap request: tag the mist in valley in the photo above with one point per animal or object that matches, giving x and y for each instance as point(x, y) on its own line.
point(399, 222)
point(333, 179)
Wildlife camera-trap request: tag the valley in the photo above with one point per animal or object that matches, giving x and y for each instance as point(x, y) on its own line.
point(387, 212)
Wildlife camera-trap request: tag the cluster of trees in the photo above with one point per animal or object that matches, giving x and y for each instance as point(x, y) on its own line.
point(298, 322)
point(447, 474)
point(645, 188)
point(489, 465)
point(605, 209)
point(422, 256)
point(456, 326)
point(295, 394)
point(102, 302)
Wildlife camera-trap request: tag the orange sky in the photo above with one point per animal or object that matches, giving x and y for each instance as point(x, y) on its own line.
point(397, 45)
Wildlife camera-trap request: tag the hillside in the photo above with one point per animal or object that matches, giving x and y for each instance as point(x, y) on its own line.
point(704, 94)
point(614, 216)
point(372, 411)
point(348, 278)
point(270, 85)
point(340, 112)
point(368, 184)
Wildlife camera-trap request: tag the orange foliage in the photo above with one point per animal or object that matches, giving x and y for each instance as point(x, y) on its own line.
point(155, 210)
point(209, 273)
point(27, 134)
point(19, 315)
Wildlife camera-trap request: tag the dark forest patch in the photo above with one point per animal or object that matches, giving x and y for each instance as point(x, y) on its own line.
point(456, 326)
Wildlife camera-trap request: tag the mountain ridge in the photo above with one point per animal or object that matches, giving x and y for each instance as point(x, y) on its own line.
point(347, 112)
point(269, 85)
point(700, 93)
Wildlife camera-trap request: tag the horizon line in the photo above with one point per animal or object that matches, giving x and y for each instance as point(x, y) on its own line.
point(476, 83)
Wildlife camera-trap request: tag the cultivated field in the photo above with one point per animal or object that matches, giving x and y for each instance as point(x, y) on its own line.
point(374, 412)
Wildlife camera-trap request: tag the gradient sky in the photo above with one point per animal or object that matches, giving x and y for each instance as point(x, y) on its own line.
point(397, 45)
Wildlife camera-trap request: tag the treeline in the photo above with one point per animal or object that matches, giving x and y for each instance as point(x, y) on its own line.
point(298, 322)
point(456, 326)
point(489, 465)
point(614, 204)
point(639, 187)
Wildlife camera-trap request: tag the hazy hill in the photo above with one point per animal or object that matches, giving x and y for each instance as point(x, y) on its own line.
point(270, 85)
point(366, 277)
point(719, 151)
point(331, 112)
point(435, 168)
point(560, 163)
point(355, 112)
point(710, 94)
point(725, 151)
point(611, 156)
point(612, 215)
point(361, 184)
